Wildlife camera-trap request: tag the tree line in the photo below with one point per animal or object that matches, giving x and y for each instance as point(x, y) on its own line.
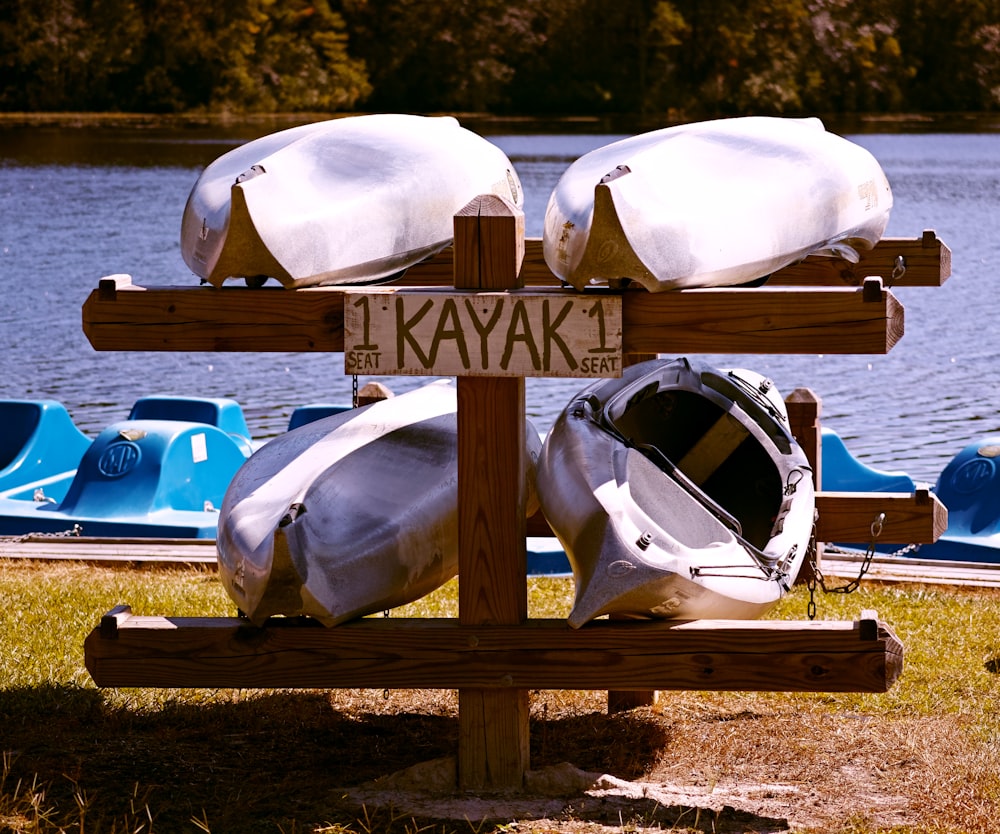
point(688, 58)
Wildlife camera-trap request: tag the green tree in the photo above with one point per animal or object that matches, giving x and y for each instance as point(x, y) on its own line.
point(750, 55)
point(856, 62)
point(429, 55)
point(955, 49)
point(290, 56)
point(43, 53)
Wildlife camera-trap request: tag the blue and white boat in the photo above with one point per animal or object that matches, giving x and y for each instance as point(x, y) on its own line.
point(969, 487)
point(160, 473)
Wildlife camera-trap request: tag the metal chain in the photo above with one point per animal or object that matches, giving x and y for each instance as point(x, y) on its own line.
point(354, 391)
point(818, 580)
point(76, 530)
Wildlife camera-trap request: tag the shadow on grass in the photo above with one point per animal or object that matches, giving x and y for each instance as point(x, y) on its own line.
point(276, 760)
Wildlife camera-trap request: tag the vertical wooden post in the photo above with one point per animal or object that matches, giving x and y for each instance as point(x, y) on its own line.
point(492, 561)
point(804, 410)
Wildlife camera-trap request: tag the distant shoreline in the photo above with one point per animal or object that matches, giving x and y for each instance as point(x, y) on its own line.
point(985, 122)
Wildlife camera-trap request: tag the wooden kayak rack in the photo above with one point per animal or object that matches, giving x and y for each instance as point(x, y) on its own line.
point(493, 654)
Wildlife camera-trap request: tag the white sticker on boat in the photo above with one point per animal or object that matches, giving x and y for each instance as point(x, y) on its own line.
point(199, 447)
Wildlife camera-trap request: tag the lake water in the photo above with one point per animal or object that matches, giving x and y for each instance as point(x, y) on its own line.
point(80, 203)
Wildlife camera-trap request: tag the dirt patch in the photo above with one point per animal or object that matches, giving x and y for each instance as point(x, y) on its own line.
point(565, 798)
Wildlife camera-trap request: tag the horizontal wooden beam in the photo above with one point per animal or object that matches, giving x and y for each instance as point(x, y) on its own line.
point(762, 320)
point(917, 518)
point(926, 262)
point(121, 316)
point(900, 262)
point(762, 655)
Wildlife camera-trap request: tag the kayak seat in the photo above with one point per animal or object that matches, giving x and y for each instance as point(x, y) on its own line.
point(739, 477)
point(712, 449)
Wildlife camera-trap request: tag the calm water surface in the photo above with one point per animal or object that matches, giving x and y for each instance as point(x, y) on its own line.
point(77, 204)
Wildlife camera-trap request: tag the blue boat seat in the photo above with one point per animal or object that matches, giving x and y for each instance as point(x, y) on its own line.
point(39, 443)
point(311, 412)
point(842, 472)
point(222, 412)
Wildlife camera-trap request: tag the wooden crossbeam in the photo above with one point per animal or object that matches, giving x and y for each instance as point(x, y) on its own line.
point(899, 262)
point(926, 262)
point(762, 655)
point(121, 316)
point(908, 518)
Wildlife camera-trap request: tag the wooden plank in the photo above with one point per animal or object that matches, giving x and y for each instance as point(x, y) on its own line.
point(900, 262)
point(761, 320)
point(926, 258)
point(760, 655)
point(215, 319)
point(912, 569)
point(918, 518)
point(437, 332)
point(124, 551)
point(492, 483)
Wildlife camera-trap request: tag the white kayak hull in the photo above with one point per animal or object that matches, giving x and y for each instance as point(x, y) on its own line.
point(723, 539)
point(351, 514)
point(718, 203)
point(349, 200)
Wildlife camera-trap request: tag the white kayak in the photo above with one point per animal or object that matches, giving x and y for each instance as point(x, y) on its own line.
point(350, 514)
point(716, 203)
point(349, 200)
point(678, 493)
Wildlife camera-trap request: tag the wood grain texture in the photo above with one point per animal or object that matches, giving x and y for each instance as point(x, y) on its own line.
point(761, 320)
point(927, 260)
point(492, 725)
point(917, 518)
point(809, 656)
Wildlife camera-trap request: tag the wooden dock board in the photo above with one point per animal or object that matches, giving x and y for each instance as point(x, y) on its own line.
point(170, 552)
point(904, 569)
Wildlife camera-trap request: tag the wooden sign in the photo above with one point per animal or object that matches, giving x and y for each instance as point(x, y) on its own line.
point(429, 332)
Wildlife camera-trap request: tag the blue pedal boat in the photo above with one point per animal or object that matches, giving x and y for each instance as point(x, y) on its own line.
point(969, 488)
point(160, 473)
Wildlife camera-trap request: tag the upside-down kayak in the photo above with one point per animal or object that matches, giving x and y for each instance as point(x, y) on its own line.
point(678, 493)
point(350, 514)
point(348, 200)
point(716, 203)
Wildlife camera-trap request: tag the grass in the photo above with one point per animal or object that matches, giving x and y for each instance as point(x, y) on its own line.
point(923, 757)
